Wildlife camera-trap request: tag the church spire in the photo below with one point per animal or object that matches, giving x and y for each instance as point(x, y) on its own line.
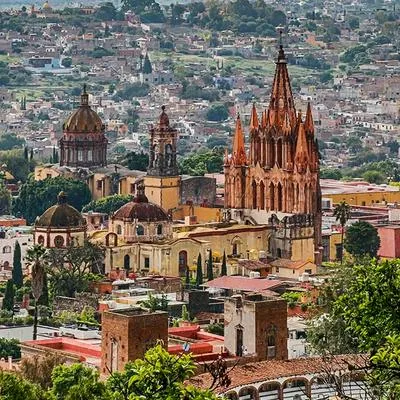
point(253, 119)
point(147, 67)
point(301, 156)
point(309, 122)
point(264, 119)
point(84, 96)
point(281, 102)
point(238, 152)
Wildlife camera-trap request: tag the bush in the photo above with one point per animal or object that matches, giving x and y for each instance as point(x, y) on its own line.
point(216, 329)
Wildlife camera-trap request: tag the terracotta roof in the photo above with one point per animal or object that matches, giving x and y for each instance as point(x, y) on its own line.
point(253, 265)
point(142, 211)
point(243, 283)
point(269, 370)
point(284, 263)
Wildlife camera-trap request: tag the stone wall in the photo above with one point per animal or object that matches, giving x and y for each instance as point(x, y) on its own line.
point(198, 190)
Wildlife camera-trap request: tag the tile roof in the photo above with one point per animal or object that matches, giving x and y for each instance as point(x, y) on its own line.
point(284, 263)
point(270, 370)
point(243, 283)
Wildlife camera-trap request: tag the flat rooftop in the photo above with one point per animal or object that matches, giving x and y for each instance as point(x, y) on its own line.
point(332, 186)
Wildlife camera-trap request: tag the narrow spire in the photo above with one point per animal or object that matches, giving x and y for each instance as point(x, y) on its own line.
point(239, 152)
point(309, 122)
point(226, 157)
point(164, 120)
point(264, 119)
point(84, 96)
point(253, 119)
point(281, 96)
point(301, 156)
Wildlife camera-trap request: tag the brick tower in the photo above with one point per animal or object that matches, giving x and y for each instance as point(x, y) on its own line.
point(128, 334)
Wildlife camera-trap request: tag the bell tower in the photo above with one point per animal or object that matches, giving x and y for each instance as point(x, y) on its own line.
point(162, 182)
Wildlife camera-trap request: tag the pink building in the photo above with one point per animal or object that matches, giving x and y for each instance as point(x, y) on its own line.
point(390, 241)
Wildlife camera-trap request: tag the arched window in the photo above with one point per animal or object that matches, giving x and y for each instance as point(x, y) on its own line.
point(127, 262)
point(159, 229)
point(280, 199)
point(59, 241)
point(254, 192)
point(279, 153)
point(119, 230)
point(271, 197)
point(6, 249)
point(140, 230)
point(182, 260)
point(40, 239)
point(272, 153)
point(262, 195)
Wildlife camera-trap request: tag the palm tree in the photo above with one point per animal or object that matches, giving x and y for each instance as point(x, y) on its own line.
point(36, 260)
point(342, 214)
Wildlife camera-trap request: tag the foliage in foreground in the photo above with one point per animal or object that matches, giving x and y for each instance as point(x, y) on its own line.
point(159, 376)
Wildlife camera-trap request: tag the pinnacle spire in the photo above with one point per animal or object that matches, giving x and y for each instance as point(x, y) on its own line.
point(264, 119)
point(301, 156)
point(309, 122)
point(84, 96)
point(281, 97)
point(253, 119)
point(238, 151)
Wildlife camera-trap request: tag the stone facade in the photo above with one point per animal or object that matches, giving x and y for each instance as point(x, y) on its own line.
point(128, 334)
point(280, 175)
point(256, 326)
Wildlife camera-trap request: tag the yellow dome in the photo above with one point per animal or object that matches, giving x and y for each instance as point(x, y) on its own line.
point(84, 119)
point(46, 6)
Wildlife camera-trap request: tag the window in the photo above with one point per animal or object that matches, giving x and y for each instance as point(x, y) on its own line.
point(41, 239)
point(277, 270)
point(159, 230)
point(339, 251)
point(308, 271)
point(59, 241)
point(48, 176)
point(119, 230)
point(6, 249)
point(140, 230)
point(99, 184)
point(146, 263)
point(132, 188)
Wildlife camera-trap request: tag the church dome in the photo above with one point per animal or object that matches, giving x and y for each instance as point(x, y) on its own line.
point(141, 210)
point(61, 215)
point(84, 119)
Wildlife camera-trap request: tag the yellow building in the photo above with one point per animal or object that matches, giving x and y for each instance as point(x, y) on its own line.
point(359, 193)
point(164, 191)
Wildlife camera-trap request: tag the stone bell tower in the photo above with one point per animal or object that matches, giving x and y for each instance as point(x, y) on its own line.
point(162, 182)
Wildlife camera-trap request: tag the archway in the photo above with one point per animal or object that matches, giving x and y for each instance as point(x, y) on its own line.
point(269, 390)
point(248, 393)
point(182, 262)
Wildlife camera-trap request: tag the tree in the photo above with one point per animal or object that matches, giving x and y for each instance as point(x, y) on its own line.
point(5, 200)
point(199, 271)
point(202, 162)
point(136, 161)
point(8, 300)
point(224, 271)
point(35, 197)
point(17, 276)
point(362, 239)
point(76, 381)
point(331, 173)
point(10, 348)
point(210, 274)
point(14, 387)
point(9, 141)
point(38, 368)
point(373, 176)
point(218, 112)
point(16, 164)
point(82, 262)
point(158, 376)
point(108, 204)
point(187, 277)
point(342, 214)
point(66, 62)
point(36, 259)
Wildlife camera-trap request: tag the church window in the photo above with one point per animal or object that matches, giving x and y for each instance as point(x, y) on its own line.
point(146, 263)
point(140, 230)
point(272, 153)
point(6, 249)
point(234, 249)
point(279, 154)
point(272, 197)
point(280, 202)
point(119, 230)
point(59, 241)
point(159, 230)
point(254, 192)
point(80, 155)
point(262, 196)
point(90, 155)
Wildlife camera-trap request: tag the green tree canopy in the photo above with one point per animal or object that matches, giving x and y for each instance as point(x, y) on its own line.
point(16, 164)
point(362, 239)
point(5, 200)
point(17, 276)
point(202, 162)
point(217, 112)
point(10, 141)
point(8, 300)
point(108, 204)
point(14, 387)
point(199, 271)
point(10, 348)
point(35, 197)
point(136, 161)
